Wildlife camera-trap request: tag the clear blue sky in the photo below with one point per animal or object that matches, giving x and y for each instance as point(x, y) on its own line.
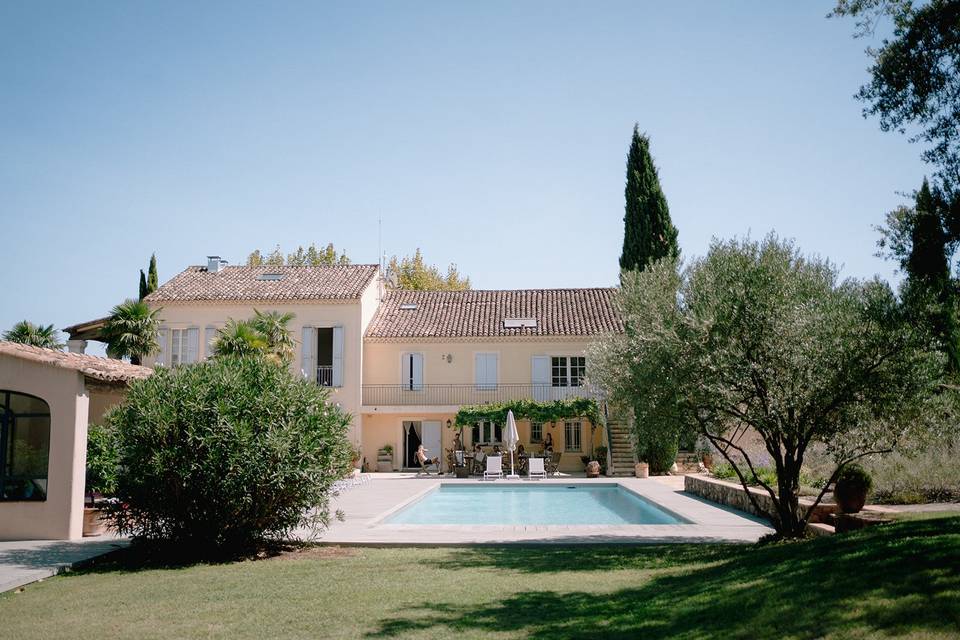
point(490, 134)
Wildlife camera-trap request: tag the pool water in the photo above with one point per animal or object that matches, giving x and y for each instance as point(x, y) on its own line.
point(505, 504)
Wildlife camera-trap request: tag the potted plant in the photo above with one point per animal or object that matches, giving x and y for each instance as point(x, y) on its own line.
point(851, 489)
point(101, 478)
point(641, 470)
point(385, 458)
point(600, 455)
point(593, 469)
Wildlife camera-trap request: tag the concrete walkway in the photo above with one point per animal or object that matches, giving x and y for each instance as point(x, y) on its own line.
point(23, 562)
point(366, 506)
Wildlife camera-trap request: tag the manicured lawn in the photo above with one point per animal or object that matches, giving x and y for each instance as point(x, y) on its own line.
point(898, 580)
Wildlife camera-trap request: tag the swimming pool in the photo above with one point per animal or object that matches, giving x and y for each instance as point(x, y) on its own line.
point(511, 504)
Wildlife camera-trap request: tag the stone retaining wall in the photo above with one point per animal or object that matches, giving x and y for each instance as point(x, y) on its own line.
point(733, 495)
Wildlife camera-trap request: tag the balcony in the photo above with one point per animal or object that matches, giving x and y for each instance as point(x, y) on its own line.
point(325, 376)
point(459, 394)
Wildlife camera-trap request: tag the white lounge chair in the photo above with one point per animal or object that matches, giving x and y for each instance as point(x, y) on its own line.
point(494, 467)
point(535, 469)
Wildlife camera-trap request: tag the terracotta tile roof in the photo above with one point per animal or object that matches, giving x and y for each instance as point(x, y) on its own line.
point(461, 314)
point(341, 282)
point(94, 367)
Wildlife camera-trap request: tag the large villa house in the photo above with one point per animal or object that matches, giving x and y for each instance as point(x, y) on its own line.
point(403, 362)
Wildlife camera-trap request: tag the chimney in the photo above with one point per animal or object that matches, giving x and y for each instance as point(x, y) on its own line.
point(214, 263)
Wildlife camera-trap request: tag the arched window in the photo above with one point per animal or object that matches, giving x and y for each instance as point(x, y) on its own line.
point(24, 446)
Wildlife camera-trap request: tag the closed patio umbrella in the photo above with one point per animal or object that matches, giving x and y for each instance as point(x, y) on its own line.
point(511, 438)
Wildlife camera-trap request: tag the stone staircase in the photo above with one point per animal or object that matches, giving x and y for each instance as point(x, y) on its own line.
point(621, 449)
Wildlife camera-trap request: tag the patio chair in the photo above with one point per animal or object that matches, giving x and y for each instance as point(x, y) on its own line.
point(536, 470)
point(428, 463)
point(553, 466)
point(494, 467)
point(478, 461)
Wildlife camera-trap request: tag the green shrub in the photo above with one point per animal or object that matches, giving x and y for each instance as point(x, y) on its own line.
point(724, 471)
point(102, 457)
point(855, 476)
point(226, 454)
point(659, 450)
point(928, 474)
point(600, 455)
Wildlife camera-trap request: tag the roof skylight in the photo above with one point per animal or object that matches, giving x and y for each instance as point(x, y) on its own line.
point(519, 323)
point(270, 276)
point(408, 306)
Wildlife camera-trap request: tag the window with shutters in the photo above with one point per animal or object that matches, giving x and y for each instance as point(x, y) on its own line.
point(325, 356)
point(412, 371)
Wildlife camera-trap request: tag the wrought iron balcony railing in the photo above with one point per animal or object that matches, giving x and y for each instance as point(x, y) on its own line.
point(325, 376)
point(460, 394)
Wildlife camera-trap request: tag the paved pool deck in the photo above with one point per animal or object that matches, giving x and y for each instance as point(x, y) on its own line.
point(366, 505)
point(26, 561)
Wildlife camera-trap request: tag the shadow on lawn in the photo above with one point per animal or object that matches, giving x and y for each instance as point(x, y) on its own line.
point(898, 578)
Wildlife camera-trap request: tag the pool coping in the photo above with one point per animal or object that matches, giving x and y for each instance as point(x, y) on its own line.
point(367, 506)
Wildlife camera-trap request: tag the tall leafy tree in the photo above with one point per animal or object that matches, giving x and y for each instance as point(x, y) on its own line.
point(311, 256)
point(756, 338)
point(36, 335)
point(914, 81)
point(648, 232)
point(131, 330)
point(412, 272)
point(918, 239)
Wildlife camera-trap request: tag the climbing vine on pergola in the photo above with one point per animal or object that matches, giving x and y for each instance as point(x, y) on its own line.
point(553, 411)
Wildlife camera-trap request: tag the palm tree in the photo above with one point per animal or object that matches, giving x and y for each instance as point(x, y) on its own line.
point(239, 338)
point(273, 326)
point(35, 335)
point(131, 330)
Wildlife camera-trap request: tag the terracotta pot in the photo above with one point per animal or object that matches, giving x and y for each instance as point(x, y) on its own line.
point(707, 460)
point(593, 469)
point(93, 522)
point(641, 470)
point(849, 497)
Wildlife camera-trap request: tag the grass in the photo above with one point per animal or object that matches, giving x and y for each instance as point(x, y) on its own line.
point(897, 580)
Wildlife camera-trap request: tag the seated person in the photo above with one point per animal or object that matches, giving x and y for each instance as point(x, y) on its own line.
point(496, 450)
point(521, 451)
point(548, 444)
point(478, 458)
point(425, 461)
point(522, 458)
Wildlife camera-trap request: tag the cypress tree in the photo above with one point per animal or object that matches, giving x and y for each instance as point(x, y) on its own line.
point(143, 285)
point(928, 289)
point(648, 233)
point(152, 279)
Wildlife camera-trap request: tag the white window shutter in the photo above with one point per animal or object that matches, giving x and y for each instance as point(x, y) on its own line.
point(162, 347)
point(492, 370)
point(209, 337)
point(193, 344)
point(540, 376)
point(480, 370)
point(338, 356)
point(417, 361)
point(308, 354)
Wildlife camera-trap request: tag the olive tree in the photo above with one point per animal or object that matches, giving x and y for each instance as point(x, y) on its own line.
point(757, 339)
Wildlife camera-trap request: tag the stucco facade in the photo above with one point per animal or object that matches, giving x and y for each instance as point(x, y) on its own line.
point(73, 401)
